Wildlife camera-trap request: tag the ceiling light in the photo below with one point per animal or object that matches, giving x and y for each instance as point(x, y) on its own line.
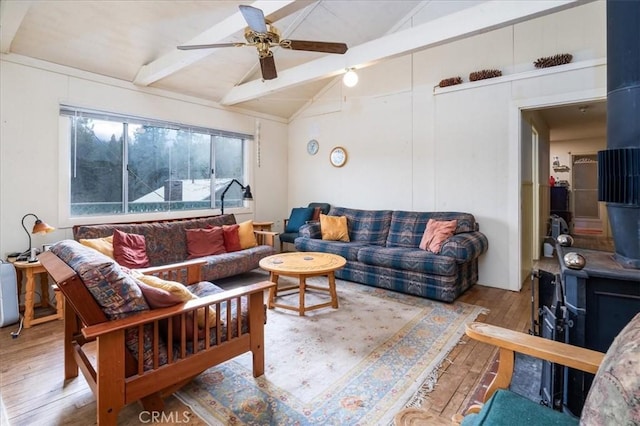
point(350, 78)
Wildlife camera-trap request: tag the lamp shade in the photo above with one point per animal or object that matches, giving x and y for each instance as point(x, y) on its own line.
point(42, 228)
point(247, 195)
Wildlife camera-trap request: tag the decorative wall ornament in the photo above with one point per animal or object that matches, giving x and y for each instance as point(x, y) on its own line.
point(452, 81)
point(484, 74)
point(552, 61)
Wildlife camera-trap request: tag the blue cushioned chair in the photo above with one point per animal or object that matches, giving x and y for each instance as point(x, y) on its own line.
point(298, 217)
point(614, 396)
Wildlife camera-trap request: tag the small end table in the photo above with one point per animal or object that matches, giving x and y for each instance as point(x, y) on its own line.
point(262, 226)
point(30, 270)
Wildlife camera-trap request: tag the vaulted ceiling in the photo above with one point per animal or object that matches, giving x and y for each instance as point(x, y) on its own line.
point(136, 41)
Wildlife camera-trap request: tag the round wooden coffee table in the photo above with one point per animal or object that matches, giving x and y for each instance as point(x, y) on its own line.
point(303, 265)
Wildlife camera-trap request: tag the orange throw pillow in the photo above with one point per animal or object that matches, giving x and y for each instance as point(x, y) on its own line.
point(437, 232)
point(334, 228)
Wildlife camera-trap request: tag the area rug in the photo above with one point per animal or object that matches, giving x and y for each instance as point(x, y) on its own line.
point(355, 365)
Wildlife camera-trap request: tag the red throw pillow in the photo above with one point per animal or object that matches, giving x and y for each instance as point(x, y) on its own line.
point(130, 250)
point(437, 233)
point(204, 242)
point(231, 238)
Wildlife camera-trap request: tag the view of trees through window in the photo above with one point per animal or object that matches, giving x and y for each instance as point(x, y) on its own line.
point(121, 166)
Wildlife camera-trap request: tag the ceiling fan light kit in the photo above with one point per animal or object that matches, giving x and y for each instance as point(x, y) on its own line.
point(350, 78)
point(263, 36)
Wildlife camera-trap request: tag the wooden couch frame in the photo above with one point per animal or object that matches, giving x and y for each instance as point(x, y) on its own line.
point(509, 342)
point(118, 379)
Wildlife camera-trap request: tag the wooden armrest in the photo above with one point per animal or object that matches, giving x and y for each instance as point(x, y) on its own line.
point(561, 353)
point(91, 332)
point(173, 271)
point(172, 266)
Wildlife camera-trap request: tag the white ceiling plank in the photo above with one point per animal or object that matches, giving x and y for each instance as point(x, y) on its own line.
point(11, 15)
point(484, 17)
point(179, 59)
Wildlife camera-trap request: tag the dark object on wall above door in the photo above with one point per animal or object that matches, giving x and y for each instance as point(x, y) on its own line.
point(261, 34)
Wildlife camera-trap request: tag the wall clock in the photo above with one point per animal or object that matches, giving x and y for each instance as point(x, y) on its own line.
point(338, 156)
point(312, 147)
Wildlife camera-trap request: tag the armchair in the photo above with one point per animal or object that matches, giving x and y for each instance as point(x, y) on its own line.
point(148, 354)
point(298, 217)
point(614, 397)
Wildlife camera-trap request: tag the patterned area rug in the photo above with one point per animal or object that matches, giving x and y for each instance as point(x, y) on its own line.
point(359, 364)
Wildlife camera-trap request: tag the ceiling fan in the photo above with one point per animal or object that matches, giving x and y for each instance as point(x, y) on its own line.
point(261, 34)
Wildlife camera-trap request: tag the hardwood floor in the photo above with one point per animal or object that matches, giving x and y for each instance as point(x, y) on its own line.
point(32, 390)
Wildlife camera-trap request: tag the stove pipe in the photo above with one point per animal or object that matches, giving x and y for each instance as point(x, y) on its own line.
point(619, 164)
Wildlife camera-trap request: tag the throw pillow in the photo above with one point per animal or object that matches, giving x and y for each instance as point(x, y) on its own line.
point(179, 291)
point(317, 211)
point(205, 242)
point(299, 216)
point(247, 237)
point(130, 250)
point(334, 228)
point(231, 238)
point(437, 232)
point(103, 245)
point(159, 298)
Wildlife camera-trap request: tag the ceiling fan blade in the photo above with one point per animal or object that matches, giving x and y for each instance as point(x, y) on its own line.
point(209, 46)
point(268, 67)
point(314, 46)
point(255, 18)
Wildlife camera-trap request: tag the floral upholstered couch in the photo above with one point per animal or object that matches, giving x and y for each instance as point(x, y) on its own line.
point(383, 251)
point(166, 243)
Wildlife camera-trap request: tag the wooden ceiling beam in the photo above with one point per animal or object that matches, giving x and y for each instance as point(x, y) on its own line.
point(475, 20)
point(179, 59)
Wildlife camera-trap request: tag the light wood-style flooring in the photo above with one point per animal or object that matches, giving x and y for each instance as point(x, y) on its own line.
point(32, 390)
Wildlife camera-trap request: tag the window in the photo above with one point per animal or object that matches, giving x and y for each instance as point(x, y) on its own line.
point(123, 165)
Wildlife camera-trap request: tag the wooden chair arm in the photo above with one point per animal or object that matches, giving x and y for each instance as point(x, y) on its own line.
point(509, 342)
point(561, 353)
point(93, 331)
point(187, 272)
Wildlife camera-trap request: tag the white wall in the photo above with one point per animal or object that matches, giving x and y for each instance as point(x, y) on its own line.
point(30, 149)
point(415, 148)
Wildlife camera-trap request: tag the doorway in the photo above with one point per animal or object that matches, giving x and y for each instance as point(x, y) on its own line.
point(586, 208)
point(552, 138)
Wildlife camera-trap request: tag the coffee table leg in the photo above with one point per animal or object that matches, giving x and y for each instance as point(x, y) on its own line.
point(303, 286)
point(332, 290)
point(273, 291)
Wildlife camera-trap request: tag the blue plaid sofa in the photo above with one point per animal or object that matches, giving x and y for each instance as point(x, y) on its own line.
point(383, 251)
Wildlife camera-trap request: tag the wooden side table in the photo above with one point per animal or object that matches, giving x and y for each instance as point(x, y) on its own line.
point(30, 270)
point(262, 226)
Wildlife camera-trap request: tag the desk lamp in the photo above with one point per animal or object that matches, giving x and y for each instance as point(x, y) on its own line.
point(39, 227)
point(246, 194)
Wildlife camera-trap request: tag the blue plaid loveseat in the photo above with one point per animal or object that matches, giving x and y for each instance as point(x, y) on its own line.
point(383, 251)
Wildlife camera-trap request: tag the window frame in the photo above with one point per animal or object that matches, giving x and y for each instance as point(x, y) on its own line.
point(65, 144)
